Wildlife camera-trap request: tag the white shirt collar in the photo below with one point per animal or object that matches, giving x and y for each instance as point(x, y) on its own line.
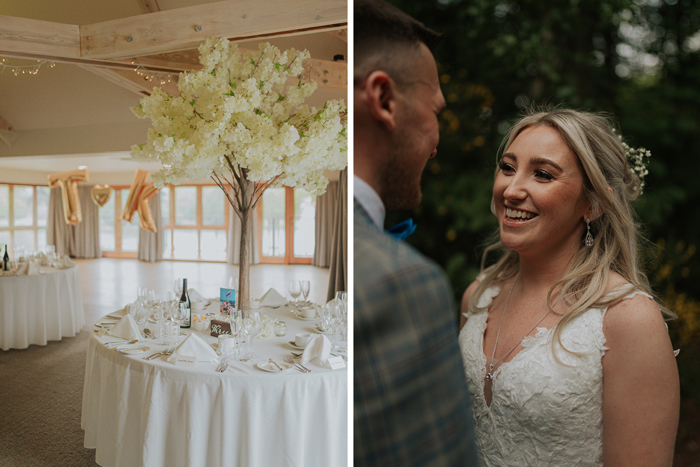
point(370, 201)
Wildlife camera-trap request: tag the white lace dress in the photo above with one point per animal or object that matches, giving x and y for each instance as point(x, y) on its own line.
point(542, 412)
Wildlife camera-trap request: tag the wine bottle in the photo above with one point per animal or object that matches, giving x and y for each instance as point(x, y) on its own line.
point(6, 260)
point(185, 298)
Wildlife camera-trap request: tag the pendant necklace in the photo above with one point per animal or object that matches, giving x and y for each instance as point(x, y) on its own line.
point(489, 375)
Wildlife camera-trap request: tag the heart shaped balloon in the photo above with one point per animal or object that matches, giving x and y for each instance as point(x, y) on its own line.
point(100, 194)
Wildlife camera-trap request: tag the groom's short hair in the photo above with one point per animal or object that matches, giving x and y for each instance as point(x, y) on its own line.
point(384, 36)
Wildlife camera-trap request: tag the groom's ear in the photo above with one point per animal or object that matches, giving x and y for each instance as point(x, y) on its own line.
point(381, 98)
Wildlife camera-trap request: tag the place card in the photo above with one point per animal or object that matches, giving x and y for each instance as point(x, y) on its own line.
point(219, 327)
point(185, 360)
point(336, 362)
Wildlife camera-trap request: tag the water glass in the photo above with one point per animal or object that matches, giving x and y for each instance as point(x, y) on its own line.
point(280, 328)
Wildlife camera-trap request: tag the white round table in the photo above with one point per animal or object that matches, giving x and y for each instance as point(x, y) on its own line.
point(40, 308)
point(154, 413)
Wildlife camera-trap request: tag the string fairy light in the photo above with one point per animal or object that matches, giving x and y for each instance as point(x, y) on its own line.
point(22, 69)
point(149, 75)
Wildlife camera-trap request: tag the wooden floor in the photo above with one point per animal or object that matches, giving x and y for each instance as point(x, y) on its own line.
point(108, 284)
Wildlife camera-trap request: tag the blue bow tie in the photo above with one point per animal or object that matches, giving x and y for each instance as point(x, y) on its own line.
point(402, 230)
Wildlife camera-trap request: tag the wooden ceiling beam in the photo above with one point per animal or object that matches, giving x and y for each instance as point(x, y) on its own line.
point(341, 34)
point(4, 125)
point(186, 28)
point(151, 5)
point(31, 36)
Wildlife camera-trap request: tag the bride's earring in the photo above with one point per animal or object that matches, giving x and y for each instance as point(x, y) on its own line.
point(589, 236)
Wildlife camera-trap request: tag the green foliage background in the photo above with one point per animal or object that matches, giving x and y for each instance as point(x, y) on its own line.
point(638, 60)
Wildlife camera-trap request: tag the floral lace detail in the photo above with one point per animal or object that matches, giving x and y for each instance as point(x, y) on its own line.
point(542, 412)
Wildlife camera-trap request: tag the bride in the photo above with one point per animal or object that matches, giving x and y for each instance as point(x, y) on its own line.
point(567, 355)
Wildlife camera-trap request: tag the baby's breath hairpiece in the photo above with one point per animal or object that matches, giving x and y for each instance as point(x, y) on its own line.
point(637, 159)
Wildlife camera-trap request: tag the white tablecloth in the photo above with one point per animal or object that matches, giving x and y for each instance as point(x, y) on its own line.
point(153, 413)
point(40, 308)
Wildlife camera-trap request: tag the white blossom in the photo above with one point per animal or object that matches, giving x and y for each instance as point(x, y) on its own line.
point(245, 108)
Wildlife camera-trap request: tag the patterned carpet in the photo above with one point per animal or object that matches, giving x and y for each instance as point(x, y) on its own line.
point(41, 390)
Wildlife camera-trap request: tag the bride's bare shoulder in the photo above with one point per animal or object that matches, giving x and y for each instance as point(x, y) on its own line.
point(468, 293)
point(632, 317)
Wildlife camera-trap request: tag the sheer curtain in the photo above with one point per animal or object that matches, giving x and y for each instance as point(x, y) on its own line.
point(326, 204)
point(81, 240)
point(338, 277)
point(233, 253)
point(150, 243)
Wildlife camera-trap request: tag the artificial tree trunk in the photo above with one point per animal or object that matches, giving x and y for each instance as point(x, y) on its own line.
point(244, 214)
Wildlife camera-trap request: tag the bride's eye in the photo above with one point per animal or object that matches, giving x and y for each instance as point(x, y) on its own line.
point(543, 174)
point(506, 167)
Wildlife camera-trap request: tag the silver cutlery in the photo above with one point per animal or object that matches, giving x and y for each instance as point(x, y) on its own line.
point(122, 343)
point(301, 368)
point(223, 366)
point(275, 363)
point(167, 351)
point(307, 370)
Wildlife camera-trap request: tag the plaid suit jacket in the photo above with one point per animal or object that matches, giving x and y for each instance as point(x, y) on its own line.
point(412, 406)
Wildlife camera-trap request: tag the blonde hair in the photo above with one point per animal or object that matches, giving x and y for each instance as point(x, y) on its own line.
point(603, 162)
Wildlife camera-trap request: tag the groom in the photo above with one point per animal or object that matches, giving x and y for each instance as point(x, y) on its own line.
point(411, 401)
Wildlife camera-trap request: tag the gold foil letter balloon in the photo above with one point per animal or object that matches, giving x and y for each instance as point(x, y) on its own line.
point(100, 194)
point(68, 181)
point(139, 194)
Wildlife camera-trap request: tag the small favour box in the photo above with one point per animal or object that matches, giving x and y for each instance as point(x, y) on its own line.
point(219, 327)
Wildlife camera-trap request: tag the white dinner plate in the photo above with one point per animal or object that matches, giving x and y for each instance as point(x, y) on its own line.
point(306, 319)
point(267, 366)
point(293, 344)
point(133, 350)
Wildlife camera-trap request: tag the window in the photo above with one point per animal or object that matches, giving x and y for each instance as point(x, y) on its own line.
point(23, 216)
point(195, 223)
point(287, 219)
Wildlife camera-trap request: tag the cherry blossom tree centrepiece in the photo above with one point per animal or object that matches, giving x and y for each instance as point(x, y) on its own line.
point(242, 121)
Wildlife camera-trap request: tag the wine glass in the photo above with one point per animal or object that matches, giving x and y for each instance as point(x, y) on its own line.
point(324, 312)
point(253, 326)
point(179, 313)
point(236, 330)
point(141, 295)
point(295, 291)
point(342, 299)
point(177, 287)
point(305, 288)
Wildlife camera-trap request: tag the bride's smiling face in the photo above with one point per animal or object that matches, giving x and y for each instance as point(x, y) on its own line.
point(539, 194)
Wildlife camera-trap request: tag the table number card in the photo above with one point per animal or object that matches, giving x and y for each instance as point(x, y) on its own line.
point(219, 327)
point(228, 300)
point(336, 362)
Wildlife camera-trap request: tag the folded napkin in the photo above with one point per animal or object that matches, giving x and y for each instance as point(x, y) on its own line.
point(126, 328)
point(66, 263)
point(194, 295)
point(22, 269)
point(194, 346)
point(272, 298)
point(34, 267)
point(226, 346)
point(318, 347)
point(44, 259)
